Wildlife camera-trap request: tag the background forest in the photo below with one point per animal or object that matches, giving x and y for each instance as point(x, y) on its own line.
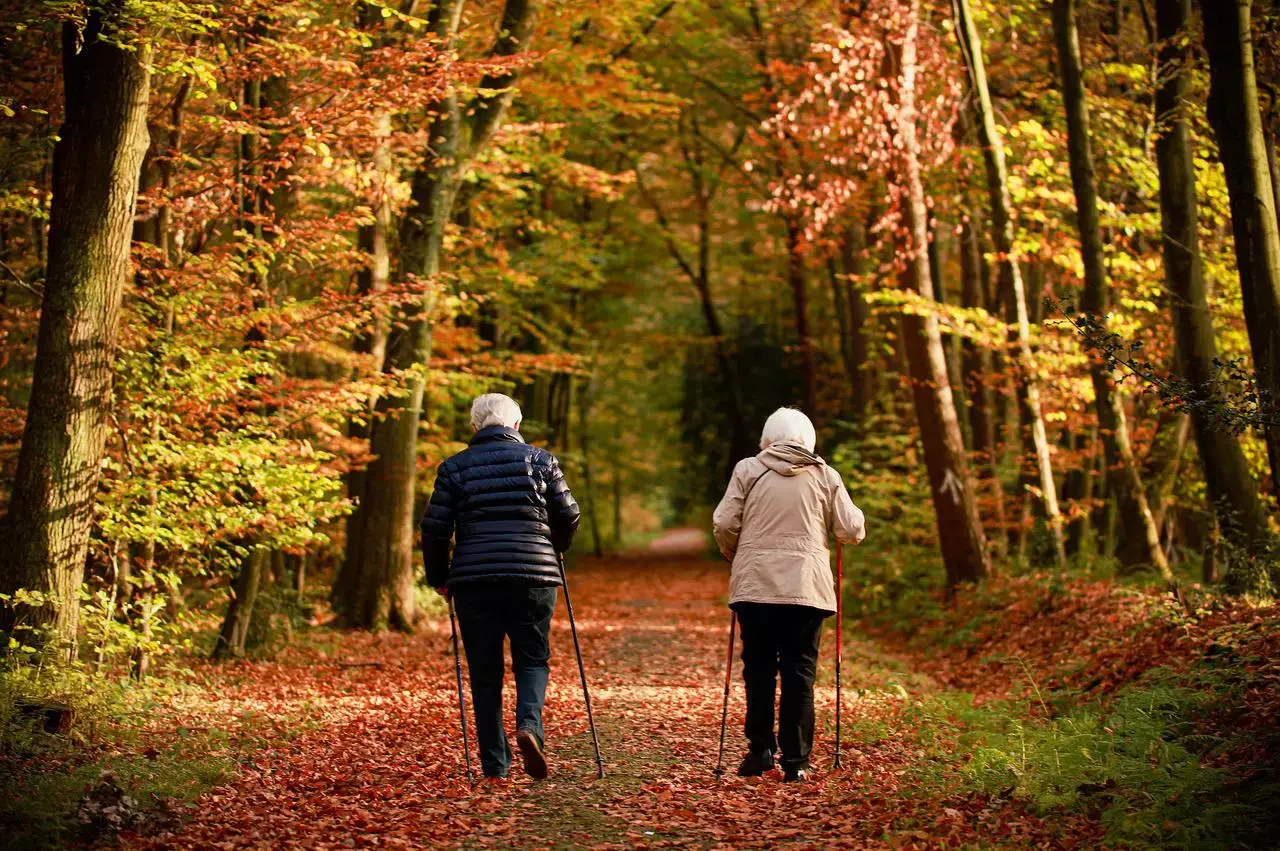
point(1019, 261)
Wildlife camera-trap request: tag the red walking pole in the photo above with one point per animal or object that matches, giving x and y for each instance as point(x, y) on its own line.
point(839, 642)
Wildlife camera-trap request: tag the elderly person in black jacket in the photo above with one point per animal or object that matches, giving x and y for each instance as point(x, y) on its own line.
point(507, 508)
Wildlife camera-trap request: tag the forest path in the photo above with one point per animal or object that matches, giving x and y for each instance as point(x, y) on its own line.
point(380, 762)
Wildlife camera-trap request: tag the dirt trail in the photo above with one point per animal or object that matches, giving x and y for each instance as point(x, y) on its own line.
point(382, 766)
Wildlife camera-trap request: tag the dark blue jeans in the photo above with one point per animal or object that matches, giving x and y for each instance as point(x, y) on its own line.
point(488, 615)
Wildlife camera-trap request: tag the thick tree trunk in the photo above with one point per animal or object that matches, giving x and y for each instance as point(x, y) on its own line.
point(1231, 490)
point(96, 160)
point(373, 279)
point(960, 535)
point(1010, 270)
point(235, 626)
point(384, 565)
point(1142, 538)
point(1237, 122)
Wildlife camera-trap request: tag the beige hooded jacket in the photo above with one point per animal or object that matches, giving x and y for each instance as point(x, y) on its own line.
point(773, 524)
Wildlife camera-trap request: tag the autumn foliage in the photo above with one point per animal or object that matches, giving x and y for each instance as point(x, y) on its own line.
point(1018, 261)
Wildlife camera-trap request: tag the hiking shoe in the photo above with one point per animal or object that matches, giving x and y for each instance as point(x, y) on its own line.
point(796, 774)
point(756, 763)
point(535, 761)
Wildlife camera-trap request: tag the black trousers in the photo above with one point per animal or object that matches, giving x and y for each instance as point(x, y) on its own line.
point(780, 642)
point(488, 615)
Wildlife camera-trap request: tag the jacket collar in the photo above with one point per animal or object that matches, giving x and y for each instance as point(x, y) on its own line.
point(490, 434)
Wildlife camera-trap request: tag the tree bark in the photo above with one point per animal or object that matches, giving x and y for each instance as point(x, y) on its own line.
point(858, 316)
point(1010, 269)
point(1142, 538)
point(800, 305)
point(384, 560)
point(585, 399)
point(96, 160)
point(1231, 490)
point(977, 366)
point(964, 552)
point(1236, 119)
point(373, 279)
point(235, 626)
point(950, 344)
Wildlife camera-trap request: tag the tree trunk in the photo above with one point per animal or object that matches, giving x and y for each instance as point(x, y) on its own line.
point(1231, 490)
point(976, 362)
point(853, 267)
point(950, 345)
point(1162, 466)
point(617, 508)
point(1237, 122)
point(1142, 538)
point(1081, 483)
point(1010, 270)
point(235, 625)
point(97, 160)
point(960, 535)
point(800, 305)
point(384, 564)
point(584, 439)
point(373, 279)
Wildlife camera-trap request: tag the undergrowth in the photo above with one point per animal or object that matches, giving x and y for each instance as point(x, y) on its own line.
point(1160, 725)
point(129, 757)
point(1149, 764)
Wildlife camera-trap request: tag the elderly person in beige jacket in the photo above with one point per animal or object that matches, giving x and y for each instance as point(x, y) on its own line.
point(773, 524)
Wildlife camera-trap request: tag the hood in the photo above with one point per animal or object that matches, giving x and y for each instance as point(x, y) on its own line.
point(788, 458)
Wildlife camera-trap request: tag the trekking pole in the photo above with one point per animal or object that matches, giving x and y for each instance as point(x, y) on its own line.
point(462, 707)
point(582, 671)
point(728, 678)
point(839, 643)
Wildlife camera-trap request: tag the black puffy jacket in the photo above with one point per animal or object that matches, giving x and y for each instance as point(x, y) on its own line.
point(508, 506)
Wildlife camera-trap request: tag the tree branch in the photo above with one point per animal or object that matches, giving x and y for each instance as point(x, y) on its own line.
point(496, 93)
point(672, 248)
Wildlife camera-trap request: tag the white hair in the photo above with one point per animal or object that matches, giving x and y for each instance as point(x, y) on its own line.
point(493, 409)
point(788, 425)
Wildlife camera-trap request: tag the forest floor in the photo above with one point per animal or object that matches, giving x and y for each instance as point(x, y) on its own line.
point(377, 761)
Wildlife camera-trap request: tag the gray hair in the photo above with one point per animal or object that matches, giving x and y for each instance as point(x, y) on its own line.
point(788, 425)
point(493, 409)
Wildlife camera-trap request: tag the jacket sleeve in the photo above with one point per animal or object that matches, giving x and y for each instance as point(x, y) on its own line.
point(437, 529)
point(847, 521)
point(727, 519)
point(563, 513)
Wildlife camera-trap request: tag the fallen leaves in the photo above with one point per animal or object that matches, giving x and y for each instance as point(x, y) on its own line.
point(380, 763)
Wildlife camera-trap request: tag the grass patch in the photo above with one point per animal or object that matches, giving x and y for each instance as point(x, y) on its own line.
point(1152, 762)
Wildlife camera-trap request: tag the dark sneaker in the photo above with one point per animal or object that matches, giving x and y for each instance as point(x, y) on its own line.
point(798, 774)
point(756, 763)
point(535, 761)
